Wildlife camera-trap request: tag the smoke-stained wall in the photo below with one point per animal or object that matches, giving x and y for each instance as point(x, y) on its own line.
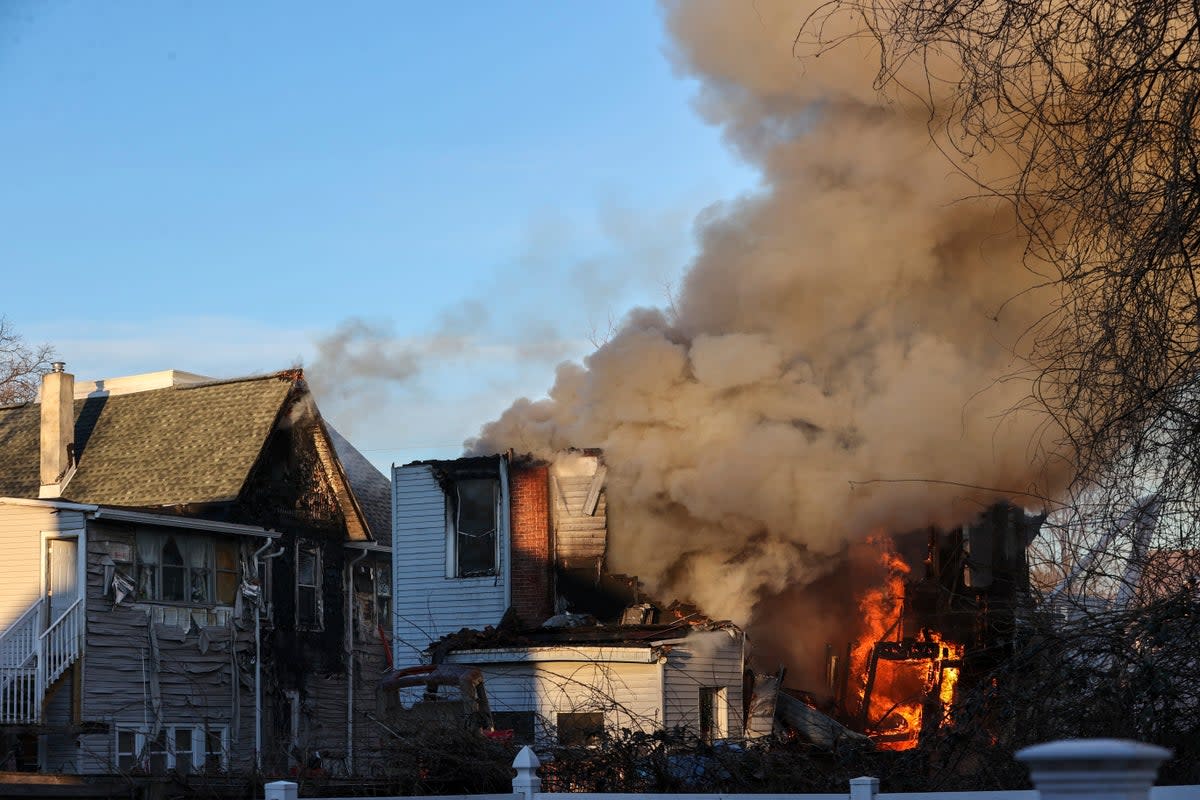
point(845, 354)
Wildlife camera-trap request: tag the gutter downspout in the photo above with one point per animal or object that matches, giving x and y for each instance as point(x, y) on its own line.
point(261, 567)
point(350, 660)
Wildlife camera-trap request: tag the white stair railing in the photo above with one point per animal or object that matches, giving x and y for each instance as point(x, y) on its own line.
point(20, 698)
point(18, 644)
point(31, 659)
point(59, 644)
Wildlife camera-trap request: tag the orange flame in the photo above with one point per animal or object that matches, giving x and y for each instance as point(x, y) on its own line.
point(900, 686)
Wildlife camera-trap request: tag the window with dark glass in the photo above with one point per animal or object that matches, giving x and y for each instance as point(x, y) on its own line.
point(578, 729)
point(475, 527)
point(183, 748)
point(383, 594)
point(308, 586)
point(519, 722)
point(186, 568)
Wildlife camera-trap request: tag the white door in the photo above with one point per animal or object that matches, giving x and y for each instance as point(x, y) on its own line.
point(62, 576)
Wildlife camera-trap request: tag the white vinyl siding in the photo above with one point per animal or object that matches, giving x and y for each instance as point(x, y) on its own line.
point(628, 694)
point(21, 569)
point(704, 660)
point(580, 508)
point(426, 604)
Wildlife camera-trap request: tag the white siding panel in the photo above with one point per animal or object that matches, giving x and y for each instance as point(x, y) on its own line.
point(704, 659)
point(428, 605)
point(628, 694)
point(578, 534)
point(21, 554)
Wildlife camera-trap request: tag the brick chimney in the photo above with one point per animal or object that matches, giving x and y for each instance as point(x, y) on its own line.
point(532, 596)
point(58, 429)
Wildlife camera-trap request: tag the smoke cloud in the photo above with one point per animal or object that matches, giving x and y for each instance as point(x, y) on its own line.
point(843, 354)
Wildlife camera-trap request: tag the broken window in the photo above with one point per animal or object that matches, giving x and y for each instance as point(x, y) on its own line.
point(308, 586)
point(178, 568)
point(714, 714)
point(580, 728)
point(373, 587)
point(473, 520)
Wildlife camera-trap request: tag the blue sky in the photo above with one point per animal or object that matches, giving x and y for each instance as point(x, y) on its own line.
point(217, 187)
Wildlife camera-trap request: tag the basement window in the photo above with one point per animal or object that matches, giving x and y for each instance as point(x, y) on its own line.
point(519, 722)
point(182, 748)
point(309, 613)
point(472, 511)
point(580, 729)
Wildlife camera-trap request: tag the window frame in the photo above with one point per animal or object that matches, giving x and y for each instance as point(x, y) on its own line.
point(454, 549)
point(318, 622)
point(579, 736)
point(144, 748)
point(185, 540)
point(716, 698)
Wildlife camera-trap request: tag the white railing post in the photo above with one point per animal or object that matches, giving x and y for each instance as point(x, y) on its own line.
point(1097, 769)
point(864, 788)
point(526, 782)
point(279, 790)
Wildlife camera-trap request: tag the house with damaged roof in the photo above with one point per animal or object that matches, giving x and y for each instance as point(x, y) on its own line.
point(193, 578)
point(500, 565)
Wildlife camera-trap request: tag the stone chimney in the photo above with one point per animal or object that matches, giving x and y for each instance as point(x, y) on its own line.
point(58, 429)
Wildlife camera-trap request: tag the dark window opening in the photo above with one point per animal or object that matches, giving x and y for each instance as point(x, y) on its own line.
point(308, 586)
point(475, 527)
point(519, 722)
point(712, 714)
point(579, 729)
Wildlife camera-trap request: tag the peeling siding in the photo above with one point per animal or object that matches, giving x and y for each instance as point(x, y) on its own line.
point(428, 605)
point(21, 554)
point(214, 687)
point(704, 659)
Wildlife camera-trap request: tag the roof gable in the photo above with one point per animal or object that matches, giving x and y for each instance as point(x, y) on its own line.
point(163, 447)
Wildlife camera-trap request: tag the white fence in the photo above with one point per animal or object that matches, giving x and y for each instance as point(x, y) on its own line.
point(1083, 769)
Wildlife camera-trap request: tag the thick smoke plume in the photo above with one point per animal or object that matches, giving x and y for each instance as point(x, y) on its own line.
point(843, 354)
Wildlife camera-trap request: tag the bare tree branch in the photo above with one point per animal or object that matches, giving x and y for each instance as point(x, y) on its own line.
point(21, 366)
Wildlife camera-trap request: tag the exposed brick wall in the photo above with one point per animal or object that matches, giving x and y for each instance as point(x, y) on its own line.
point(531, 558)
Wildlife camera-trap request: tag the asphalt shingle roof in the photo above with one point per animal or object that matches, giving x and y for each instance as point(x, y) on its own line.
point(162, 447)
point(371, 488)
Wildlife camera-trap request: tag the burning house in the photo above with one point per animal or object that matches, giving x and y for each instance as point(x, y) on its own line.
point(941, 619)
point(500, 565)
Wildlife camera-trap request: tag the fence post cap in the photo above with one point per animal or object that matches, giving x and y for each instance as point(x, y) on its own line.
point(280, 790)
point(1101, 750)
point(526, 759)
point(864, 780)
